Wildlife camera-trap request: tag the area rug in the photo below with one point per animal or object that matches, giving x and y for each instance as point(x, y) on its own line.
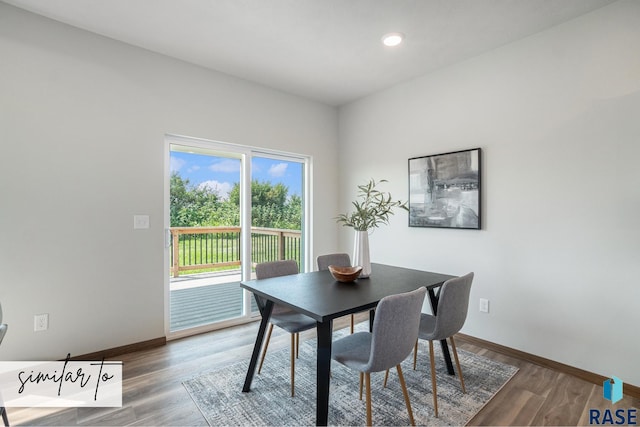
point(218, 395)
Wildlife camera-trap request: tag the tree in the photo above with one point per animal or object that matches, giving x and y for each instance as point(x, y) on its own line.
point(262, 194)
point(270, 205)
point(191, 206)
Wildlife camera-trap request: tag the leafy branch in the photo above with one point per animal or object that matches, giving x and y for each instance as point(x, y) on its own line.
point(372, 210)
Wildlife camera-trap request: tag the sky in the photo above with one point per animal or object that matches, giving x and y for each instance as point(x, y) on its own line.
point(220, 173)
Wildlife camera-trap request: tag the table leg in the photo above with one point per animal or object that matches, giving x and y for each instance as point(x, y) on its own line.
point(324, 330)
point(433, 300)
point(266, 315)
point(372, 315)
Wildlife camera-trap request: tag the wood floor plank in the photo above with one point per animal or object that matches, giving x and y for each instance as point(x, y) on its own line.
point(114, 416)
point(517, 406)
point(565, 402)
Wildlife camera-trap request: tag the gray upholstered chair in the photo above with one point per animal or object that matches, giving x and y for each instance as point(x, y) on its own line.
point(451, 313)
point(339, 260)
point(283, 317)
point(394, 333)
point(3, 331)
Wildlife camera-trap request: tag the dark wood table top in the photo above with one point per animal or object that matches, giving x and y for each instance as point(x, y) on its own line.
point(318, 295)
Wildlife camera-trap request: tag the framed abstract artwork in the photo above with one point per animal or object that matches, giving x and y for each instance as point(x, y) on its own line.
point(445, 189)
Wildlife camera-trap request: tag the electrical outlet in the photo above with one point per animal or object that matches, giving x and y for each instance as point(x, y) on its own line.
point(484, 305)
point(40, 322)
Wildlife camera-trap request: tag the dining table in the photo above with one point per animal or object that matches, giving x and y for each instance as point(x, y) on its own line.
point(318, 295)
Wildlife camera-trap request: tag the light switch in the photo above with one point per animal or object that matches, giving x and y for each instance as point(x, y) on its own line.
point(140, 221)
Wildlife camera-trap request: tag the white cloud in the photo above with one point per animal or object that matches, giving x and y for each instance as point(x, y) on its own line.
point(278, 170)
point(222, 188)
point(228, 165)
point(176, 164)
point(193, 168)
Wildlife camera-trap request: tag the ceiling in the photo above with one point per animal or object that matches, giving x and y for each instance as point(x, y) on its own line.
point(325, 50)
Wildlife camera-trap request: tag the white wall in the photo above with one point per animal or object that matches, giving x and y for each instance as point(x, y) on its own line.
point(558, 118)
point(82, 126)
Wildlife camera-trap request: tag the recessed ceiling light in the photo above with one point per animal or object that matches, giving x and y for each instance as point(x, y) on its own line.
point(392, 39)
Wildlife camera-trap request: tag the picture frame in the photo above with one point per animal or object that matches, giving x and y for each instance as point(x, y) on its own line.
point(445, 190)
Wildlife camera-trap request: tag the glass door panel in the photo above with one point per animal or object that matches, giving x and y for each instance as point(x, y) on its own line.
point(277, 212)
point(205, 258)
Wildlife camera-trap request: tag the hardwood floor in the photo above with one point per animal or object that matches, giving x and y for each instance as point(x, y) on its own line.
point(541, 396)
point(153, 393)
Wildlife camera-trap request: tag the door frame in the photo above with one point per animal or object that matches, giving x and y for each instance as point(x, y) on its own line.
point(245, 154)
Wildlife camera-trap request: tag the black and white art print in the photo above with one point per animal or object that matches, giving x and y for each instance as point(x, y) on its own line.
point(444, 190)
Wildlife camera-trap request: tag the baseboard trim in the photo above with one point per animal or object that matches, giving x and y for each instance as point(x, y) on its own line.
point(118, 351)
point(629, 389)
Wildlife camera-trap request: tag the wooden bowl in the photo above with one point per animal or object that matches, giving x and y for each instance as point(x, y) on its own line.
point(345, 274)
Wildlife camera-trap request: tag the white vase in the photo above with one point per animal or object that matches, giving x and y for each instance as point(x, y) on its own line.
point(361, 252)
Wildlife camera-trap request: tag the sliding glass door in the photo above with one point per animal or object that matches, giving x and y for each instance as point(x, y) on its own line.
point(229, 207)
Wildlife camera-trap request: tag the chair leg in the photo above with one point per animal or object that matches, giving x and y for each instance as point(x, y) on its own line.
point(386, 377)
point(293, 363)
point(455, 356)
point(266, 344)
point(352, 322)
point(5, 418)
point(361, 377)
point(415, 355)
point(406, 394)
point(367, 377)
point(433, 379)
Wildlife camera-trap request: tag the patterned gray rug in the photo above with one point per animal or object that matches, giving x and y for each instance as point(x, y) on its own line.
point(219, 395)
